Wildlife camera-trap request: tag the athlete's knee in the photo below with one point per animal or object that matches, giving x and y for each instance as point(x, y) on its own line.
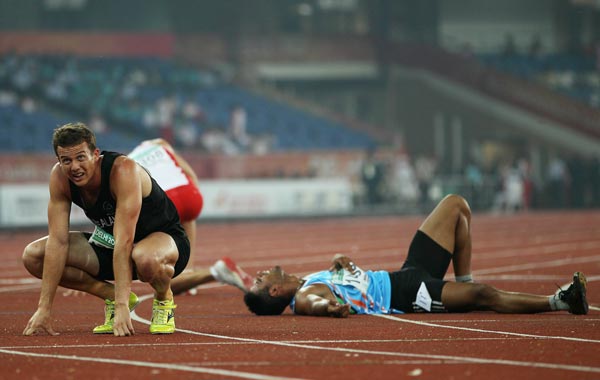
point(151, 265)
point(33, 258)
point(146, 263)
point(484, 296)
point(457, 203)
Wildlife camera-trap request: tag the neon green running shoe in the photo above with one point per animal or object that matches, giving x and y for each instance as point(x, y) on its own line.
point(163, 317)
point(109, 314)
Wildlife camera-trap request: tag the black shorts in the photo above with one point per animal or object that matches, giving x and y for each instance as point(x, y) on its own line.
point(427, 262)
point(105, 257)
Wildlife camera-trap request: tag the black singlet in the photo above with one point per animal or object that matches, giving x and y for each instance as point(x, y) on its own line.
point(158, 213)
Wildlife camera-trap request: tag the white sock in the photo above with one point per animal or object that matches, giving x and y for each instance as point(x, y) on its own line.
point(556, 303)
point(464, 278)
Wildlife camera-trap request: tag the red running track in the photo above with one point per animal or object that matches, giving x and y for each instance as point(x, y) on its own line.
point(219, 338)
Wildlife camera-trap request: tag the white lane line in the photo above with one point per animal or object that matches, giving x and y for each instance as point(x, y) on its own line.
point(10, 289)
point(429, 324)
point(220, 343)
point(532, 250)
point(445, 358)
point(19, 281)
point(137, 363)
point(461, 359)
point(541, 264)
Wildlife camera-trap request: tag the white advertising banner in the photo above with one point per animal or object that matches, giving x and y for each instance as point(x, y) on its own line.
point(239, 198)
point(25, 205)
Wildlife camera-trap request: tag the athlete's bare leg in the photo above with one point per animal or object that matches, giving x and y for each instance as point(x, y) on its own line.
point(191, 279)
point(190, 230)
point(449, 225)
point(155, 257)
point(459, 297)
point(80, 270)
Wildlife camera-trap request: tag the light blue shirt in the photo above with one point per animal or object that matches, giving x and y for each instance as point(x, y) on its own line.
point(367, 292)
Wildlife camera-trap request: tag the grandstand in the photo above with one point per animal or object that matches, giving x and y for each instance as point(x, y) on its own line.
point(318, 84)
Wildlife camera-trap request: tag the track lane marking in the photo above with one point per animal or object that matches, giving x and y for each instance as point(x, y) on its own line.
point(138, 363)
point(464, 359)
point(429, 324)
point(220, 343)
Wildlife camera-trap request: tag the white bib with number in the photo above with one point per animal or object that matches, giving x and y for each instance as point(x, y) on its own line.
point(357, 279)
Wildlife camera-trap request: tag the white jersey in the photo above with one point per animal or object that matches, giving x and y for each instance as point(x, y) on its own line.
point(161, 165)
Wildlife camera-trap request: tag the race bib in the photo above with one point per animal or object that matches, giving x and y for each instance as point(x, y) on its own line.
point(357, 279)
point(102, 238)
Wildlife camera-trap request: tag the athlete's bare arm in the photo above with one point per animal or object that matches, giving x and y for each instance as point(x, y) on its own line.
point(127, 186)
point(57, 248)
point(317, 300)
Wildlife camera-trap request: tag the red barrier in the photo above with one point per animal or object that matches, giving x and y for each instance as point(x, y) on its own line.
point(89, 44)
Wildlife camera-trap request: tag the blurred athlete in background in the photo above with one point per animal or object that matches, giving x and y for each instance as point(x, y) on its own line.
point(177, 178)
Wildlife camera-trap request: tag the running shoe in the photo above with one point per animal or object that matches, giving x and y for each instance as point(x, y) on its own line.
point(109, 314)
point(227, 272)
point(163, 317)
point(575, 296)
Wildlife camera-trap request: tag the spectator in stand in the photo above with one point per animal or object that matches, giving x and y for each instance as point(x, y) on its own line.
point(474, 179)
point(403, 181)
point(97, 123)
point(509, 49)
point(535, 48)
point(524, 167)
point(373, 178)
point(186, 133)
point(509, 197)
point(425, 168)
point(558, 179)
point(237, 128)
point(215, 140)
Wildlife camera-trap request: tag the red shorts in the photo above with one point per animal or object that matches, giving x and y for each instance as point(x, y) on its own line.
point(187, 200)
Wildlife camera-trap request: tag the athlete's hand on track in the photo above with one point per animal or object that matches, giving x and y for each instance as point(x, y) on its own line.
point(122, 325)
point(338, 310)
point(39, 322)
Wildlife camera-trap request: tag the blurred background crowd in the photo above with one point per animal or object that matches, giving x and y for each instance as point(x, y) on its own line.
point(409, 100)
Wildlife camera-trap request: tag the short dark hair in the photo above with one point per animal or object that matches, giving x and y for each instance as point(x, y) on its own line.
point(72, 134)
point(262, 303)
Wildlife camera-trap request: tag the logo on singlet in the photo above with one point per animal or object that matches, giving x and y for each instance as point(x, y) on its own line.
point(108, 208)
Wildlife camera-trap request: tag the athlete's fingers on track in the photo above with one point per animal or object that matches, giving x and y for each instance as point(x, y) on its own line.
point(29, 330)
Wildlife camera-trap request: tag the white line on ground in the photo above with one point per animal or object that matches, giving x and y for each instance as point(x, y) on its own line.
point(429, 324)
point(464, 359)
point(137, 363)
point(537, 265)
point(220, 343)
